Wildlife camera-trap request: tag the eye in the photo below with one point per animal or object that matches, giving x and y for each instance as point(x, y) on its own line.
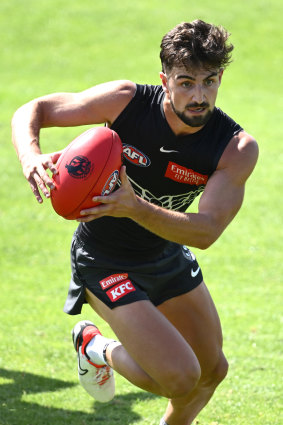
point(208, 82)
point(186, 84)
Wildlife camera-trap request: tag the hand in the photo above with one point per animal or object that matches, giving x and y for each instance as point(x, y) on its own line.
point(34, 169)
point(121, 203)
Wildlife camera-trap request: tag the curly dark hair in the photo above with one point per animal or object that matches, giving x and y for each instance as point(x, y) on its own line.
point(196, 45)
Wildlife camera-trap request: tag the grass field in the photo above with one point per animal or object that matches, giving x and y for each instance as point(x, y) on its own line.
point(64, 45)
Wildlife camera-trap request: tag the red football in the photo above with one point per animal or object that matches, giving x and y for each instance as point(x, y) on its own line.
point(88, 166)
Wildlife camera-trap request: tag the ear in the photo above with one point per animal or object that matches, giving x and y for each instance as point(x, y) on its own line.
point(164, 81)
point(220, 75)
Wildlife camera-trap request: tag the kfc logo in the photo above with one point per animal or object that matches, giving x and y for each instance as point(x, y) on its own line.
point(120, 290)
point(111, 280)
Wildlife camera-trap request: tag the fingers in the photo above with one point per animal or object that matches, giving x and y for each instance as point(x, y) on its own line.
point(52, 167)
point(34, 168)
point(54, 159)
point(120, 203)
point(97, 210)
point(123, 175)
point(35, 190)
point(92, 213)
point(110, 199)
point(42, 178)
point(50, 160)
point(43, 182)
point(55, 156)
point(86, 219)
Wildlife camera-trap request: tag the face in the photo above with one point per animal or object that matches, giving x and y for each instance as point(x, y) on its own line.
point(192, 93)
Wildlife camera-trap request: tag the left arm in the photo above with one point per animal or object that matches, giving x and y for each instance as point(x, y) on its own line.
point(218, 205)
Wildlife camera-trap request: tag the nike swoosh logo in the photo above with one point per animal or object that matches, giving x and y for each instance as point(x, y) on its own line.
point(166, 151)
point(194, 273)
point(80, 369)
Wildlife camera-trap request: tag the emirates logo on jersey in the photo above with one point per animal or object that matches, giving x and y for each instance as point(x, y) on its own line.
point(135, 156)
point(182, 174)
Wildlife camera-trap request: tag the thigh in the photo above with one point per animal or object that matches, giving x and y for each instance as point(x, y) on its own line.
point(195, 316)
point(149, 337)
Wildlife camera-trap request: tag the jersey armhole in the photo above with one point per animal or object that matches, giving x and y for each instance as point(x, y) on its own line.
point(123, 114)
point(225, 144)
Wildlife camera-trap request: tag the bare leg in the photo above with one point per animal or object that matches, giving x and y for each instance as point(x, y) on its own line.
point(154, 355)
point(195, 316)
point(175, 352)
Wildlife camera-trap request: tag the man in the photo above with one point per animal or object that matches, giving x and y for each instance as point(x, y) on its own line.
point(129, 256)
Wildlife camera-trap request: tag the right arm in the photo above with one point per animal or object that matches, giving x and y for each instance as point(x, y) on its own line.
point(100, 104)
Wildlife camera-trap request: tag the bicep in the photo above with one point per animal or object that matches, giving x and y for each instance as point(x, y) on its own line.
point(62, 110)
point(224, 192)
point(97, 105)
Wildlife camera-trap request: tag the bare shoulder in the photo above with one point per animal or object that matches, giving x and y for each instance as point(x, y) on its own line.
point(240, 156)
point(119, 88)
point(109, 98)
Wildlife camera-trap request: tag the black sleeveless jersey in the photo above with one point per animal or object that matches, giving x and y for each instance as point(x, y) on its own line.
point(164, 169)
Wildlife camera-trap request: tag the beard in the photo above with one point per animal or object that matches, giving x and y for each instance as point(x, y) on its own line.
point(194, 121)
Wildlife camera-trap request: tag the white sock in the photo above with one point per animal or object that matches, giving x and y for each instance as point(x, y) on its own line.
point(96, 349)
point(162, 422)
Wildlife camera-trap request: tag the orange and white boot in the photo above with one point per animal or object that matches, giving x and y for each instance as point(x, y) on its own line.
point(97, 380)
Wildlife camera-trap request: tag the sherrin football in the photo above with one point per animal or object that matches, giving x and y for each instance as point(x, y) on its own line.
point(89, 166)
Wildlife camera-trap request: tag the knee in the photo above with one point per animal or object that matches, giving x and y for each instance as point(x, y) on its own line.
point(220, 370)
point(182, 380)
point(217, 374)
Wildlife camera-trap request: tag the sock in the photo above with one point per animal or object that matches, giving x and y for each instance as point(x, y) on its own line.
point(162, 422)
point(96, 349)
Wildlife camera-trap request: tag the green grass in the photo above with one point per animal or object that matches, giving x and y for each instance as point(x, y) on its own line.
point(57, 45)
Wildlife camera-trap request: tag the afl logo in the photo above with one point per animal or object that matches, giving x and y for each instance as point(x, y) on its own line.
point(110, 184)
point(135, 156)
point(79, 167)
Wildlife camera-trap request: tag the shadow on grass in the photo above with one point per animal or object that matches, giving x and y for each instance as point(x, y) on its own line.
point(15, 411)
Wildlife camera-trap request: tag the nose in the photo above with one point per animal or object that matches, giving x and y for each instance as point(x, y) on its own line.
point(198, 94)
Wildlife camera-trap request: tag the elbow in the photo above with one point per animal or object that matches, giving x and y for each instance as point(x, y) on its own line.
point(208, 233)
point(206, 240)
point(31, 109)
point(205, 243)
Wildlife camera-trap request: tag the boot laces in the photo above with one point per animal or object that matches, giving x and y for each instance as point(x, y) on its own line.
point(102, 375)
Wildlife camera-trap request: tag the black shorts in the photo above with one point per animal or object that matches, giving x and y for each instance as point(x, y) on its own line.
point(118, 280)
